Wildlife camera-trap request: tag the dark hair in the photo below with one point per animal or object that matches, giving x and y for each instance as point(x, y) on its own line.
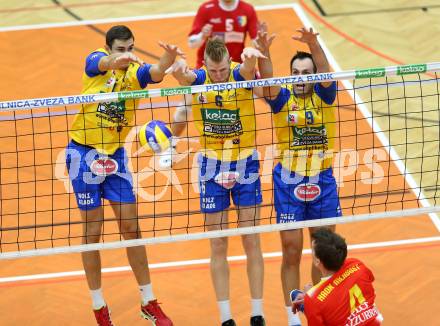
point(216, 49)
point(302, 55)
point(330, 248)
point(118, 32)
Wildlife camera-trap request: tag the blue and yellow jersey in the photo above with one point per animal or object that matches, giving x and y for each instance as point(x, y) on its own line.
point(104, 126)
point(305, 129)
point(225, 119)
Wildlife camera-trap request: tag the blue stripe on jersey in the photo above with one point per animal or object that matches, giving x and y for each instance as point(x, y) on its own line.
point(201, 77)
point(92, 62)
point(277, 104)
point(143, 75)
point(327, 94)
point(236, 73)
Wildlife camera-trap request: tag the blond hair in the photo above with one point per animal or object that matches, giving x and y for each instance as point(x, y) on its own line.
point(216, 49)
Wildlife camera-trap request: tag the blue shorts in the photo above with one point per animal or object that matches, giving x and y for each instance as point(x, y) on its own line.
point(95, 176)
point(246, 191)
point(299, 198)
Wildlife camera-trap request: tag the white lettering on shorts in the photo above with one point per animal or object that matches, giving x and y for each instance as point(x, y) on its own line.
point(208, 203)
point(307, 191)
point(287, 217)
point(84, 198)
point(104, 167)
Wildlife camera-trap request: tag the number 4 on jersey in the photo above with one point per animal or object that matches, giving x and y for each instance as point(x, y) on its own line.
point(356, 297)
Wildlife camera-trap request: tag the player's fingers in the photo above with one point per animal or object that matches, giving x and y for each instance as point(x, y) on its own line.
point(163, 45)
point(137, 59)
point(170, 70)
point(179, 51)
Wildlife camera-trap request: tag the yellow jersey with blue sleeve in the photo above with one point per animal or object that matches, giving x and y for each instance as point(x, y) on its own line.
point(104, 126)
point(225, 118)
point(305, 129)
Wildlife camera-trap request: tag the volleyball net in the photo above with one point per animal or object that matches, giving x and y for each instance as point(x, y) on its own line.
point(385, 161)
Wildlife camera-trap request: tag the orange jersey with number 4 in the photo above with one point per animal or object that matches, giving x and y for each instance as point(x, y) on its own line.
point(344, 299)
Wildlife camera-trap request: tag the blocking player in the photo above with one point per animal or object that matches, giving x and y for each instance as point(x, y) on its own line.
point(304, 118)
point(229, 20)
point(97, 161)
point(228, 165)
point(345, 294)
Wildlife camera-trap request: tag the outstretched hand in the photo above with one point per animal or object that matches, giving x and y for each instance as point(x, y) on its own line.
point(127, 57)
point(307, 36)
point(179, 67)
point(250, 53)
point(264, 41)
point(172, 50)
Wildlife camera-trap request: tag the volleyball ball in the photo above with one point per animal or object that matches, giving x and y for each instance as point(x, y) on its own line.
point(156, 134)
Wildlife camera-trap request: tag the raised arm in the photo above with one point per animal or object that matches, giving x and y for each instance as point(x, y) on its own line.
point(196, 40)
point(201, 28)
point(310, 38)
point(263, 43)
point(249, 58)
point(159, 69)
point(182, 73)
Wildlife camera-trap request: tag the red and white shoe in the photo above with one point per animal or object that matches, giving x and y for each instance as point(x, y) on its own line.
point(102, 316)
point(154, 313)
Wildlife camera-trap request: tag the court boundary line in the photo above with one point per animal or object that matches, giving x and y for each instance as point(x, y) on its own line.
point(420, 196)
point(205, 261)
point(124, 19)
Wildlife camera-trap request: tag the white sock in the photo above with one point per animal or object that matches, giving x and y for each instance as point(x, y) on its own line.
point(225, 310)
point(257, 307)
point(97, 299)
point(146, 293)
point(293, 319)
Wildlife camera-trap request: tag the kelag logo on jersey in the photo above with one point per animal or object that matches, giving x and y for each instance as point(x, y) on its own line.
point(115, 110)
point(112, 114)
point(221, 121)
point(220, 116)
point(307, 191)
point(242, 20)
point(309, 136)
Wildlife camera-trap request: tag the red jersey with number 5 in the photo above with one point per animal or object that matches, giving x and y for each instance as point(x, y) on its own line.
point(231, 26)
point(346, 298)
